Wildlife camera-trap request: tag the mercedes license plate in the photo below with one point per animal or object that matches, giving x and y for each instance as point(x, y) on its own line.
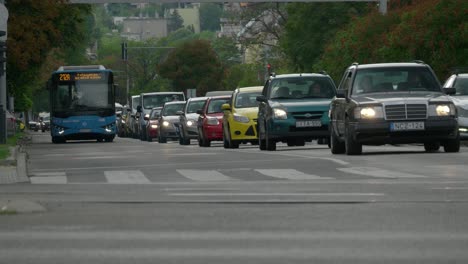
point(406, 126)
point(309, 123)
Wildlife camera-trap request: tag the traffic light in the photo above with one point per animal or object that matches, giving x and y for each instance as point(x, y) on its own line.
point(124, 51)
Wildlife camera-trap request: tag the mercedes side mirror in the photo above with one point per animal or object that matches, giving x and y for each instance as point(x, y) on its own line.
point(139, 109)
point(450, 90)
point(341, 93)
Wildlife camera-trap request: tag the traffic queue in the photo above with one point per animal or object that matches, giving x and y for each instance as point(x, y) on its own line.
point(374, 104)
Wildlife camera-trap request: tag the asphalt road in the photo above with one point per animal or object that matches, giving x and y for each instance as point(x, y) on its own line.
point(141, 202)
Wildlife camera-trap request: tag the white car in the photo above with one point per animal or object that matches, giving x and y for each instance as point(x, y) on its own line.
point(459, 81)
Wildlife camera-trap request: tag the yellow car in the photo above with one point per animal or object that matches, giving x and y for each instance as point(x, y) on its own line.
point(240, 117)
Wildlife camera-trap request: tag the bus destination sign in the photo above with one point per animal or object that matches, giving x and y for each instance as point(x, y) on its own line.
point(80, 76)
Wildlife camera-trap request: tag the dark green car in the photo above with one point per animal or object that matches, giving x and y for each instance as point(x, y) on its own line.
point(294, 109)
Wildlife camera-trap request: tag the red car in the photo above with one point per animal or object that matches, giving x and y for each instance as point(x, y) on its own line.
point(210, 121)
point(153, 123)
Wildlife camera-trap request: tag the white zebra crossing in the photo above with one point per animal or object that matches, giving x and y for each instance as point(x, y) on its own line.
point(49, 178)
point(126, 177)
point(289, 174)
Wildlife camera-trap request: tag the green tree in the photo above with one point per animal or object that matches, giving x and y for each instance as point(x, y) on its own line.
point(193, 64)
point(35, 29)
point(210, 15)
point(310, 26)
point(175, 21)
point(227, 51)
point(434, 31)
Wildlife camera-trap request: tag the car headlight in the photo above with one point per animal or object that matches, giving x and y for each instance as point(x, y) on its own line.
point(147, 116)
point(165, 123)
point(154, 126)
point(123, 121)
point(240, 118)
point(189, 123)
point(368, 112)
point(212, 121)
point(279, 113)
point(442, 110)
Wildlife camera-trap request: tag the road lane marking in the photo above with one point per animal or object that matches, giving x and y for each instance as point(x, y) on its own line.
point(289, 174)
point(204, 175)
point(49, 180)
point(379, 173)
point(275, 194)
point(126, 177)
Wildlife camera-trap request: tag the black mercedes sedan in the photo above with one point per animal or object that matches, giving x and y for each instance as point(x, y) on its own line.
point(392, 103)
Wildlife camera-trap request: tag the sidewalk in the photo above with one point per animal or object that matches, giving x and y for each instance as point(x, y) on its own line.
point(14, 168)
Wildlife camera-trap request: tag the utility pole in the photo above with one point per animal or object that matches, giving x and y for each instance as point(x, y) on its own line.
point(3, 93)
point(125, 60)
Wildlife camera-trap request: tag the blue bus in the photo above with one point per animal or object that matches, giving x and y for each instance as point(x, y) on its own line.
point(82, 104)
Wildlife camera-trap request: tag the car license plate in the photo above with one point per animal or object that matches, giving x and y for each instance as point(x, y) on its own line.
point(309, 123)
point(85, 130)
point(406, 126)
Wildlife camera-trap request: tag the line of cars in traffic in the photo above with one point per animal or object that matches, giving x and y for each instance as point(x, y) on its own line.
point(374, 104)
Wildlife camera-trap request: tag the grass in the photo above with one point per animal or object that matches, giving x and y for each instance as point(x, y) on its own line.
point(11, 141)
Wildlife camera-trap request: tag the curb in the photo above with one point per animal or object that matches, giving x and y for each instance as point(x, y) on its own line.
point(14, 168)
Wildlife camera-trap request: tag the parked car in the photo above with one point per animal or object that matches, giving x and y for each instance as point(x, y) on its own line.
point(240, 117)
point(459, 81)
point(188, 119)
point(294, 109)
point(169, 121)
point(392, 103)
point(210, 120)
point(153, 123)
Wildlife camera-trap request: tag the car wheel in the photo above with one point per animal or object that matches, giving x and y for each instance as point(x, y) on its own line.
point(99, 140)
point(162, 139)
point(230, 142)
point(352, 146)
point(225, 139)
point(261, 140)
point(109, 139)
point(270, 143)
point(291, 142)
point(336, 146)
point(432, 146)
point(300, 142)
point(452, 145)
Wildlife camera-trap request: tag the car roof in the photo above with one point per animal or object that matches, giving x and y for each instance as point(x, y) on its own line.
point(389, 65)
point(175, 102)
point(197, 99)
point(217, 93)
point(295, 75)
point(249, 89)
point(219, 97)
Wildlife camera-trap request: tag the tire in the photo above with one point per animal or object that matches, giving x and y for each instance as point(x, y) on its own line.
point(336, 146)
point(300, 142)
point(162, 139)
point(99, 140)
point(291, 143)
point(352, 146)
point(432, 146)
point(225, 139)
point(270, 143)
point(230, 143)
point(452, 145)
point(109, 139)
point(261, 142)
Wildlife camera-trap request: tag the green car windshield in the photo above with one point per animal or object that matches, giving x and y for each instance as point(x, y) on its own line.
point(301, 88)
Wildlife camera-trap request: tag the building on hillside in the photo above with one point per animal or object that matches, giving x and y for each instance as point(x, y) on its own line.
point(191, 16)
point(140, 29)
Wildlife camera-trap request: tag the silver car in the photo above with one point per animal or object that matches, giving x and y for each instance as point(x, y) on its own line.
point(188, 120)
point(459, 81)
point(169, 121)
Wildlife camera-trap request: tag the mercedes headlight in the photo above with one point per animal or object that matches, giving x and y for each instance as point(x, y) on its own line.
point(368, 112)
point(189, 123)
point(240, 118)
point(442, 110)
point(279, 113)
point(165, 123)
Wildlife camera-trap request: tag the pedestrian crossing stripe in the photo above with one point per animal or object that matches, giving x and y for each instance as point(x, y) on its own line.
point(289, 174)
point(126, 177)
